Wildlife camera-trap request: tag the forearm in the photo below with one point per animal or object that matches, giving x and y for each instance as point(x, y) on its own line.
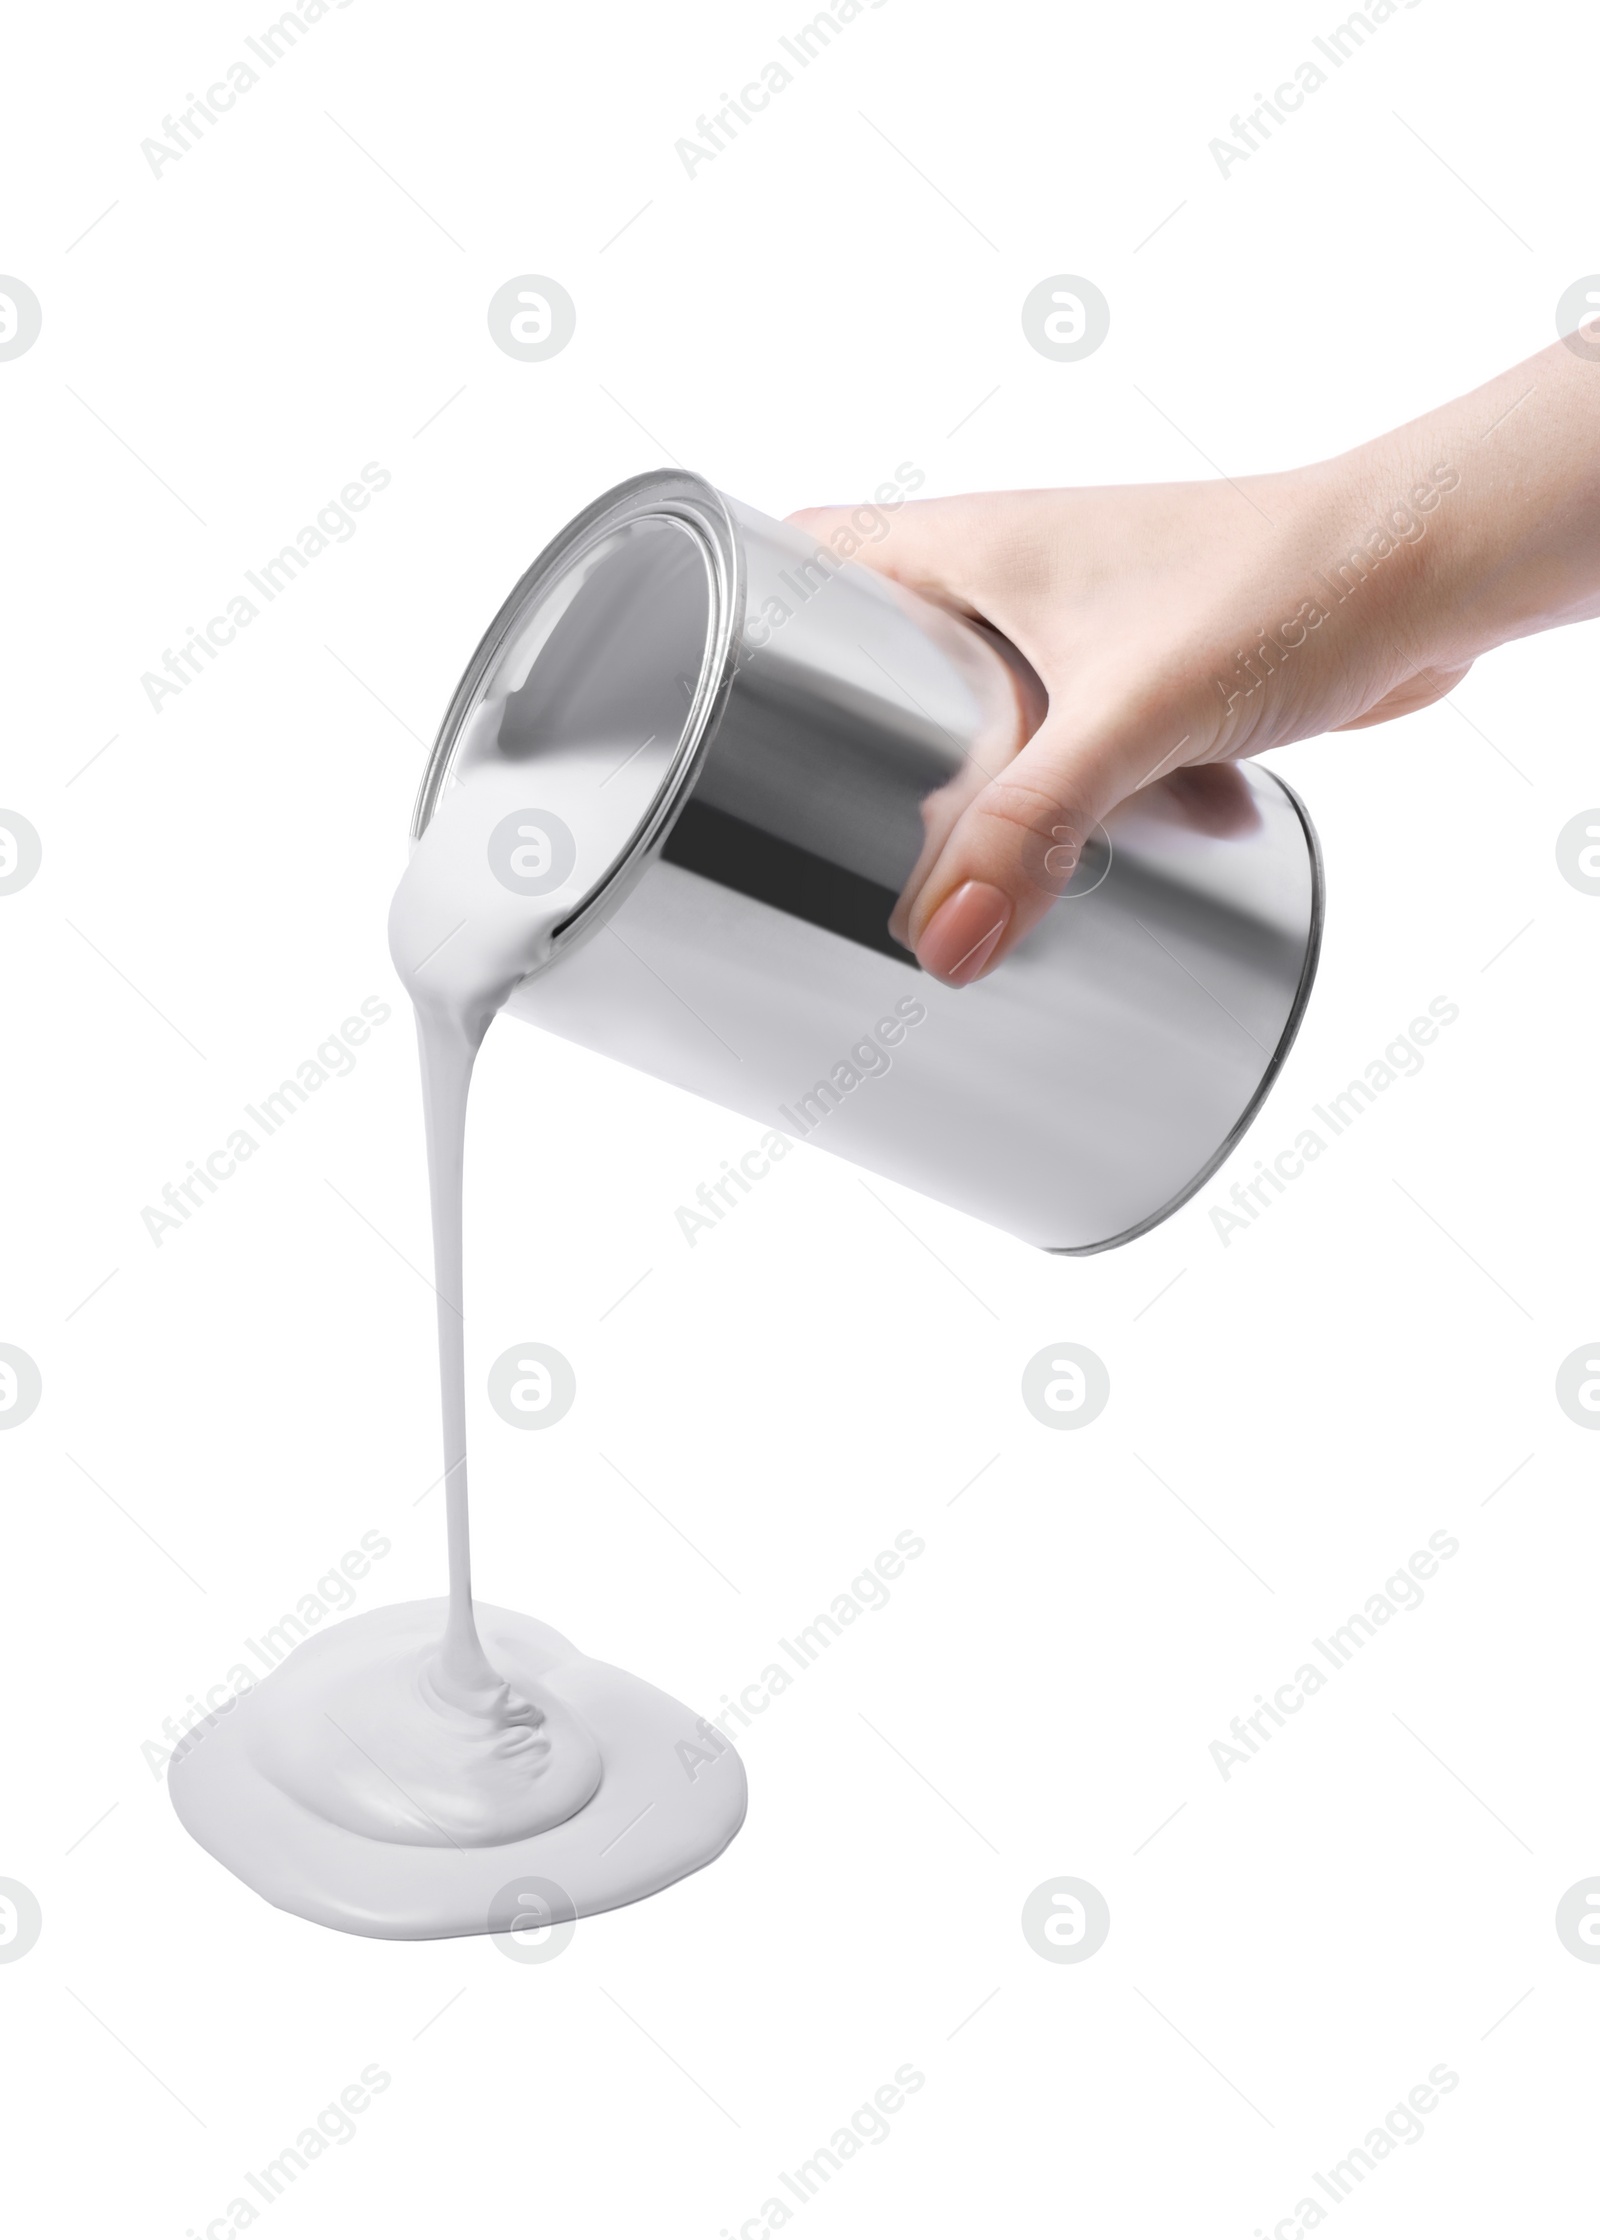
point(1513, 547)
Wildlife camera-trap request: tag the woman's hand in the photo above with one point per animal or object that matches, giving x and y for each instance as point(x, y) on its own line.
point(1181, 624)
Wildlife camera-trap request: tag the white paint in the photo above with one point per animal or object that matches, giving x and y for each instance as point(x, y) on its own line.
point(399, 1773)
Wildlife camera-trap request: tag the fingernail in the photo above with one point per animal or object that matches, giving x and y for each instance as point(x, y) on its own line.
point(960, 938)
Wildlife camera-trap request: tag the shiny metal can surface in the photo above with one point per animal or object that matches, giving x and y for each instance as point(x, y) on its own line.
point(770, 735)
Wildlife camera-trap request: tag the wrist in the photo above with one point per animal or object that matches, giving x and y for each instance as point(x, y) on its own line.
point(1509, 545)
point(1381, 532)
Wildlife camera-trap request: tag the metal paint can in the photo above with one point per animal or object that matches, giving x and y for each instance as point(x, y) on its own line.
point(770, 736)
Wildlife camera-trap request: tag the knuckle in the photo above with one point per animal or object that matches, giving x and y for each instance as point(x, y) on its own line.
point(1051, 831)
point(1032, 808)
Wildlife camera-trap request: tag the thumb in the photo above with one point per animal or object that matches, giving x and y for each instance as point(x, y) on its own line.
point(1012, 850)
point(995, 855)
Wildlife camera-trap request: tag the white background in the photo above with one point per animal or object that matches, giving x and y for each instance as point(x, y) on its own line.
point(1293, 1415)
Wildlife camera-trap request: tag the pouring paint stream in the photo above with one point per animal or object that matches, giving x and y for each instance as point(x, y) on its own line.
point(434, 1768)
